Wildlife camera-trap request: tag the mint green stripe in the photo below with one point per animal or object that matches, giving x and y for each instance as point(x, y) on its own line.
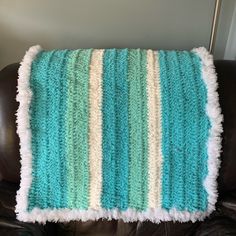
point(69, 129)
point(143, 78)
point(138, 137)
point(77, 133)
point(63, 87)
point(122, 129)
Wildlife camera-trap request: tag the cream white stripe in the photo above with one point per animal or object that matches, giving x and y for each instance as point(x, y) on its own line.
point(154, 134)
point(95, 128)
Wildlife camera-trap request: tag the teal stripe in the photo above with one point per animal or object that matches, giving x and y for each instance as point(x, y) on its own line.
point(108, 130)
point(45, 134)
point(138, 137)
point(176, 127)
point(78, 146)
point(38, 190)
point(166, 131)
point(191, 132)
point(183, 118)
point(52, 139)
point(122, 129)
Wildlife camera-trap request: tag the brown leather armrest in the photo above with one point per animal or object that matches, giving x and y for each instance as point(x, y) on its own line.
point(9, 141)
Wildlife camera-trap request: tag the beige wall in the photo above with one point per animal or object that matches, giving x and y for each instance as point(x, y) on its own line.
point(166, 24)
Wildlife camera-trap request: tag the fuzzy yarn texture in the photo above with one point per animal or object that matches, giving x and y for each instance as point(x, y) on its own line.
point(126, 134)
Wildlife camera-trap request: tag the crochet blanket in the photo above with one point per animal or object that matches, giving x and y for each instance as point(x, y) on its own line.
point(118, 134)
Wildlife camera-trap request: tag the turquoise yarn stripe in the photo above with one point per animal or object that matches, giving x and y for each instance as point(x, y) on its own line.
point(50, 163)
point(53, 114)
point(192, 136)
point(108, 130)
point(192, 125)
point(180, 179)
point(177, 131)
point(122, 129)
point(38, 189)
point(166, 110)
point(137, 129)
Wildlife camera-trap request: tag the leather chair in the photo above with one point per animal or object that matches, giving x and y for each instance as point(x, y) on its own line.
point(221, 222)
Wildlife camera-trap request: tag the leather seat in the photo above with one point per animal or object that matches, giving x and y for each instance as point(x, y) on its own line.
point(221, 222)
